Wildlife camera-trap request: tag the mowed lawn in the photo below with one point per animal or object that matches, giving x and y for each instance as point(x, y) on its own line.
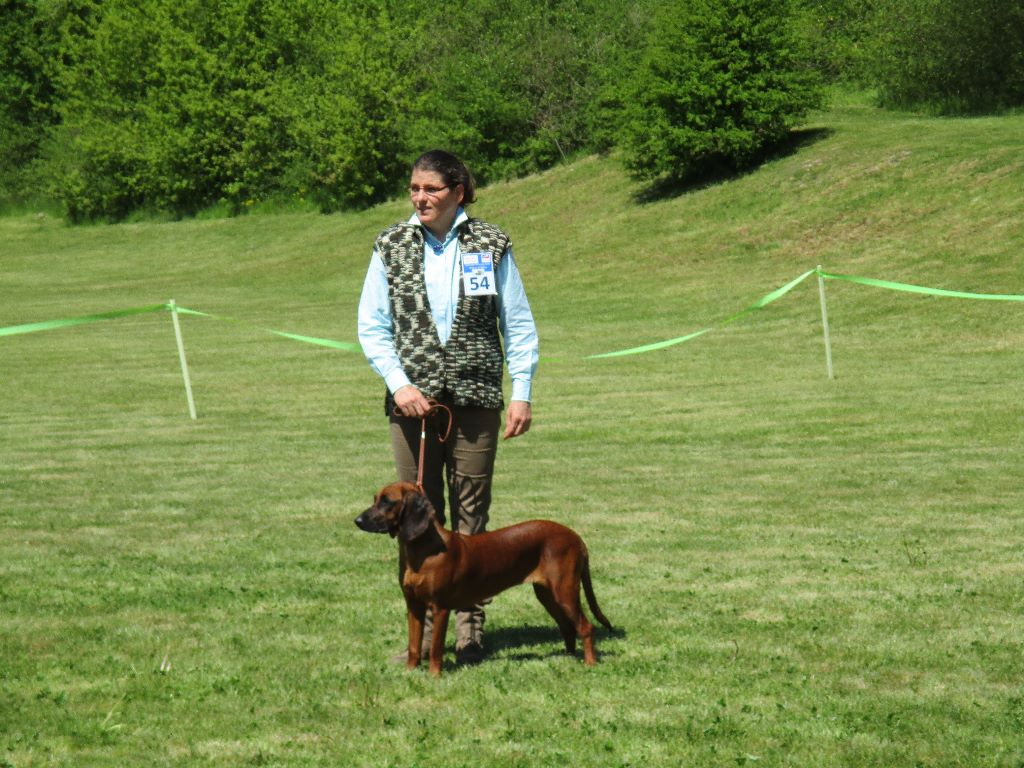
point(802, 572)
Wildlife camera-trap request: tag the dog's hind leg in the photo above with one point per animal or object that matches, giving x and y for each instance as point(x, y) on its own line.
point(565, 624)
point(567, 595)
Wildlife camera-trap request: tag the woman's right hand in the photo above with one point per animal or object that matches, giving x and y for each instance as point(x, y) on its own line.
point(411, 402)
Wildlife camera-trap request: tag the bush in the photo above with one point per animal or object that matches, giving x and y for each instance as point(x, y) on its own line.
point(180, 105)
point(177, 105)
point(165, 106)
point(350, 132)
point(509, 84)
point(28, 46)
point(722, 81)
point(838, 33)
point(950, 56)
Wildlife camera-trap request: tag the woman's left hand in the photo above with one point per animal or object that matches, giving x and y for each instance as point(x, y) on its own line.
point(518, 418)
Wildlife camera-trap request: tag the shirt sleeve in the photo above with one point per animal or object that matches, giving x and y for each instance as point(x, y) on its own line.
point(376, 327)
point(518, 330)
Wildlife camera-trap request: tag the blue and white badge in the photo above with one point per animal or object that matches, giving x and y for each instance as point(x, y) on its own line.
point(478, 274)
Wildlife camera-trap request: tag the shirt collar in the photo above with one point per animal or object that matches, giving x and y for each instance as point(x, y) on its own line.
point(460, 217)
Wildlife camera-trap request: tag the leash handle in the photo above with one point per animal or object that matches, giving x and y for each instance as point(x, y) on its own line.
point(441, 438)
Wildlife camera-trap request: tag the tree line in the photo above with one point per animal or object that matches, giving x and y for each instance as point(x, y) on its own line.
point(111, 107)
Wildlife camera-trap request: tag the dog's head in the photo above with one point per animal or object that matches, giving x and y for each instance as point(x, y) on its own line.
point(401, 510)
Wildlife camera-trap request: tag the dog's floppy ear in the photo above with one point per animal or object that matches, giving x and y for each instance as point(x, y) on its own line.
point(416, 516)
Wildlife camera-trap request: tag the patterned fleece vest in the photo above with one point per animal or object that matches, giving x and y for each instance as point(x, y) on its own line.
point(469, 367)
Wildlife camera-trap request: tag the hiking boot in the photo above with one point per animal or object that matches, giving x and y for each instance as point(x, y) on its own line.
point(469, 654)
point(403, 657)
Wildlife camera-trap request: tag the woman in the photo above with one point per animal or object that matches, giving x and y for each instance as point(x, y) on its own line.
point(441, 295)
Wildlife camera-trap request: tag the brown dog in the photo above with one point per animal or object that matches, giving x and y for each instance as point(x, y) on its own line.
point(443, 570)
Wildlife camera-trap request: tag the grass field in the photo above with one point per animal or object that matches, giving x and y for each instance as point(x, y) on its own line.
point(805, 572)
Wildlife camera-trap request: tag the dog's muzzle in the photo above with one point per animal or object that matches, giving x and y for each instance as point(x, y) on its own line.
point(372, 521)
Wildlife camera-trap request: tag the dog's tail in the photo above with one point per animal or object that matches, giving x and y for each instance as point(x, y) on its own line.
point(588, 590)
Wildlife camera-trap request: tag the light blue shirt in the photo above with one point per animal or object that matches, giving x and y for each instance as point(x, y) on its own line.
point(442, 273)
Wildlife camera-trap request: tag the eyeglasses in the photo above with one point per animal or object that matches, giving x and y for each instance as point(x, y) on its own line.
point(432, 192)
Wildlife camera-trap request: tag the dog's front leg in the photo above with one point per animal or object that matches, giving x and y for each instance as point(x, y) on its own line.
point(437, 640)
point(417, 614)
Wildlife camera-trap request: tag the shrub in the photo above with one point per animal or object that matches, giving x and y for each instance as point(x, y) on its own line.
point(508, 84)
point(176, 105)
point(29, 39)
point(950, 56)
point(721, 82)
point(839, 33)
point(351, 97)
point(160, 111)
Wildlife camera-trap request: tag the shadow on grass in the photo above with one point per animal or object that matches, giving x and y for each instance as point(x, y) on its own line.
point(714, 172)
point(523, 643)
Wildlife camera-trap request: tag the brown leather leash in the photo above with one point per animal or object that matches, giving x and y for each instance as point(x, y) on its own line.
point(441, 438)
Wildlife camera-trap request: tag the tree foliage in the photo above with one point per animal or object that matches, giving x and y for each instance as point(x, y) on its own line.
point(510, 82)
point(717, 87)
point(839, 36)
point(178, 105)
point(117, 106)
point(950, 56)
point(29, 49)
point(174, 105)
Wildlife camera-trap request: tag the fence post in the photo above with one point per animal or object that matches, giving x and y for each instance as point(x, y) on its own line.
point(824, 324)
point(181, 357)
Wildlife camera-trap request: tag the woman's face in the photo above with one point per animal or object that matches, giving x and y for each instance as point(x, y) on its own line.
point(434, 201)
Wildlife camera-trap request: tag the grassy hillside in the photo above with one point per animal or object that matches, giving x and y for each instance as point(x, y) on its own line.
point(806, 572)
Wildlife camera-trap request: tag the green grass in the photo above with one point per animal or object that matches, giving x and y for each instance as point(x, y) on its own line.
point(805, 572)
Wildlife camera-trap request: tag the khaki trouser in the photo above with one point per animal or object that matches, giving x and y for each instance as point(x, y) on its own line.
point(465, 462)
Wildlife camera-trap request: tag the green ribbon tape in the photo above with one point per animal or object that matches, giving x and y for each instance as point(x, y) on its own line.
point(649, 347)
point(764, 301)
point(196, 313)
point(51, 325)
point(345, 346)
point(907, 288)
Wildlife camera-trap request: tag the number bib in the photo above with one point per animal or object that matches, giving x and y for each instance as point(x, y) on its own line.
point(478, 274)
